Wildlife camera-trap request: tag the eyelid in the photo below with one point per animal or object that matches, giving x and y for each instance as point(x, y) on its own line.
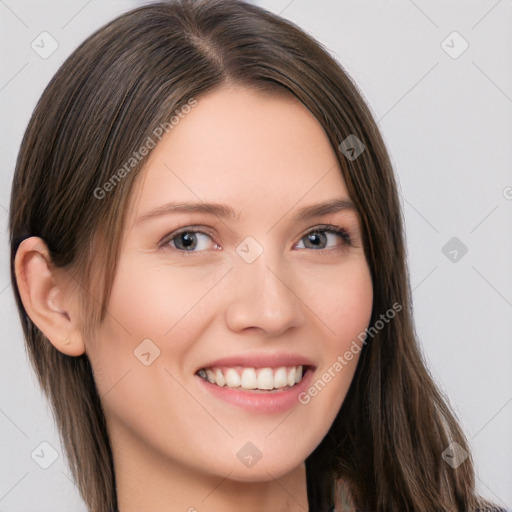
point(327, 227)
point(342, 232)
point(193, 228)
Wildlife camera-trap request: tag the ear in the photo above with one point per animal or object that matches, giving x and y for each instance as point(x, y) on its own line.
point(50, 296)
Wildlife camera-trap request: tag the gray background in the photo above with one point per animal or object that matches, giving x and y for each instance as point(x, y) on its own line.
point(447, 123)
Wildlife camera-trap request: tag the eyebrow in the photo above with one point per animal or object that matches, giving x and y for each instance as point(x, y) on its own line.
point(224, 211)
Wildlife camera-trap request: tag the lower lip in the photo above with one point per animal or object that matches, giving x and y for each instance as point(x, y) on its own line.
point(260, 401)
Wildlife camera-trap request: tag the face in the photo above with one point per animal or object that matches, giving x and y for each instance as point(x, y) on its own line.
point(223, 347)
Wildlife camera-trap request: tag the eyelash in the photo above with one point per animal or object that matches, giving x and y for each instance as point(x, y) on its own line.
point(323, 228)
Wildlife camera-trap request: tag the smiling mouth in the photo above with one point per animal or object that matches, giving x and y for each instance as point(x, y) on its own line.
point(257, 379)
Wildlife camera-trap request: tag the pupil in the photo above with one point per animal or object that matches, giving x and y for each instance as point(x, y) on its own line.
point(314, 236)
point(187, 240)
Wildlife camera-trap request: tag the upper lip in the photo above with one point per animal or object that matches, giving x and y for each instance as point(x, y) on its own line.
point(260, 361)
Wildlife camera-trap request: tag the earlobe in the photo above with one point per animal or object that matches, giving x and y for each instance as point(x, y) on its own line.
point(48, 296)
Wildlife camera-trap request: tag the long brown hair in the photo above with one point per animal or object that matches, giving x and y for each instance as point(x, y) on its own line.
point(385, 447)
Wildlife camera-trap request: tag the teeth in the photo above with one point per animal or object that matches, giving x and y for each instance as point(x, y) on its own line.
point(291, 376)
point(298, 375)
point(219, 378)
point(251, 378)
point(232, 378)
point(265, 379)
point(280, 377)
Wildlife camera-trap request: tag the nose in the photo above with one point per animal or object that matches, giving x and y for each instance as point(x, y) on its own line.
point(263, 297)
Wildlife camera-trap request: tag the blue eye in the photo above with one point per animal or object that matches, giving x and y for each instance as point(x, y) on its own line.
point(190, 240)
point(318, 237)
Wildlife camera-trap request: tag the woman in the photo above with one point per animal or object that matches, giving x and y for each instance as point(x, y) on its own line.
point(208, 259)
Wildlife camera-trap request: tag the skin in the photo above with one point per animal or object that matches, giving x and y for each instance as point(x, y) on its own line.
point(174, 444)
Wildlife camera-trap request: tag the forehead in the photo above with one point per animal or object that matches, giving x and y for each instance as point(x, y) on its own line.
point(245, 148)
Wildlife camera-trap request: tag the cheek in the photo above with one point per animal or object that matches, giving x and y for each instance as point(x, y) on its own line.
point(154, 315)
point(155, 297)
point(344, 305)
point(156, 301)
point(355, 304)
point(162, 303)
point(342, 300)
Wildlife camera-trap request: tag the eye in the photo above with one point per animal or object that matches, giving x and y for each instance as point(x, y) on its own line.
point(319, 238)
point(189, 240)
point(192, 239)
